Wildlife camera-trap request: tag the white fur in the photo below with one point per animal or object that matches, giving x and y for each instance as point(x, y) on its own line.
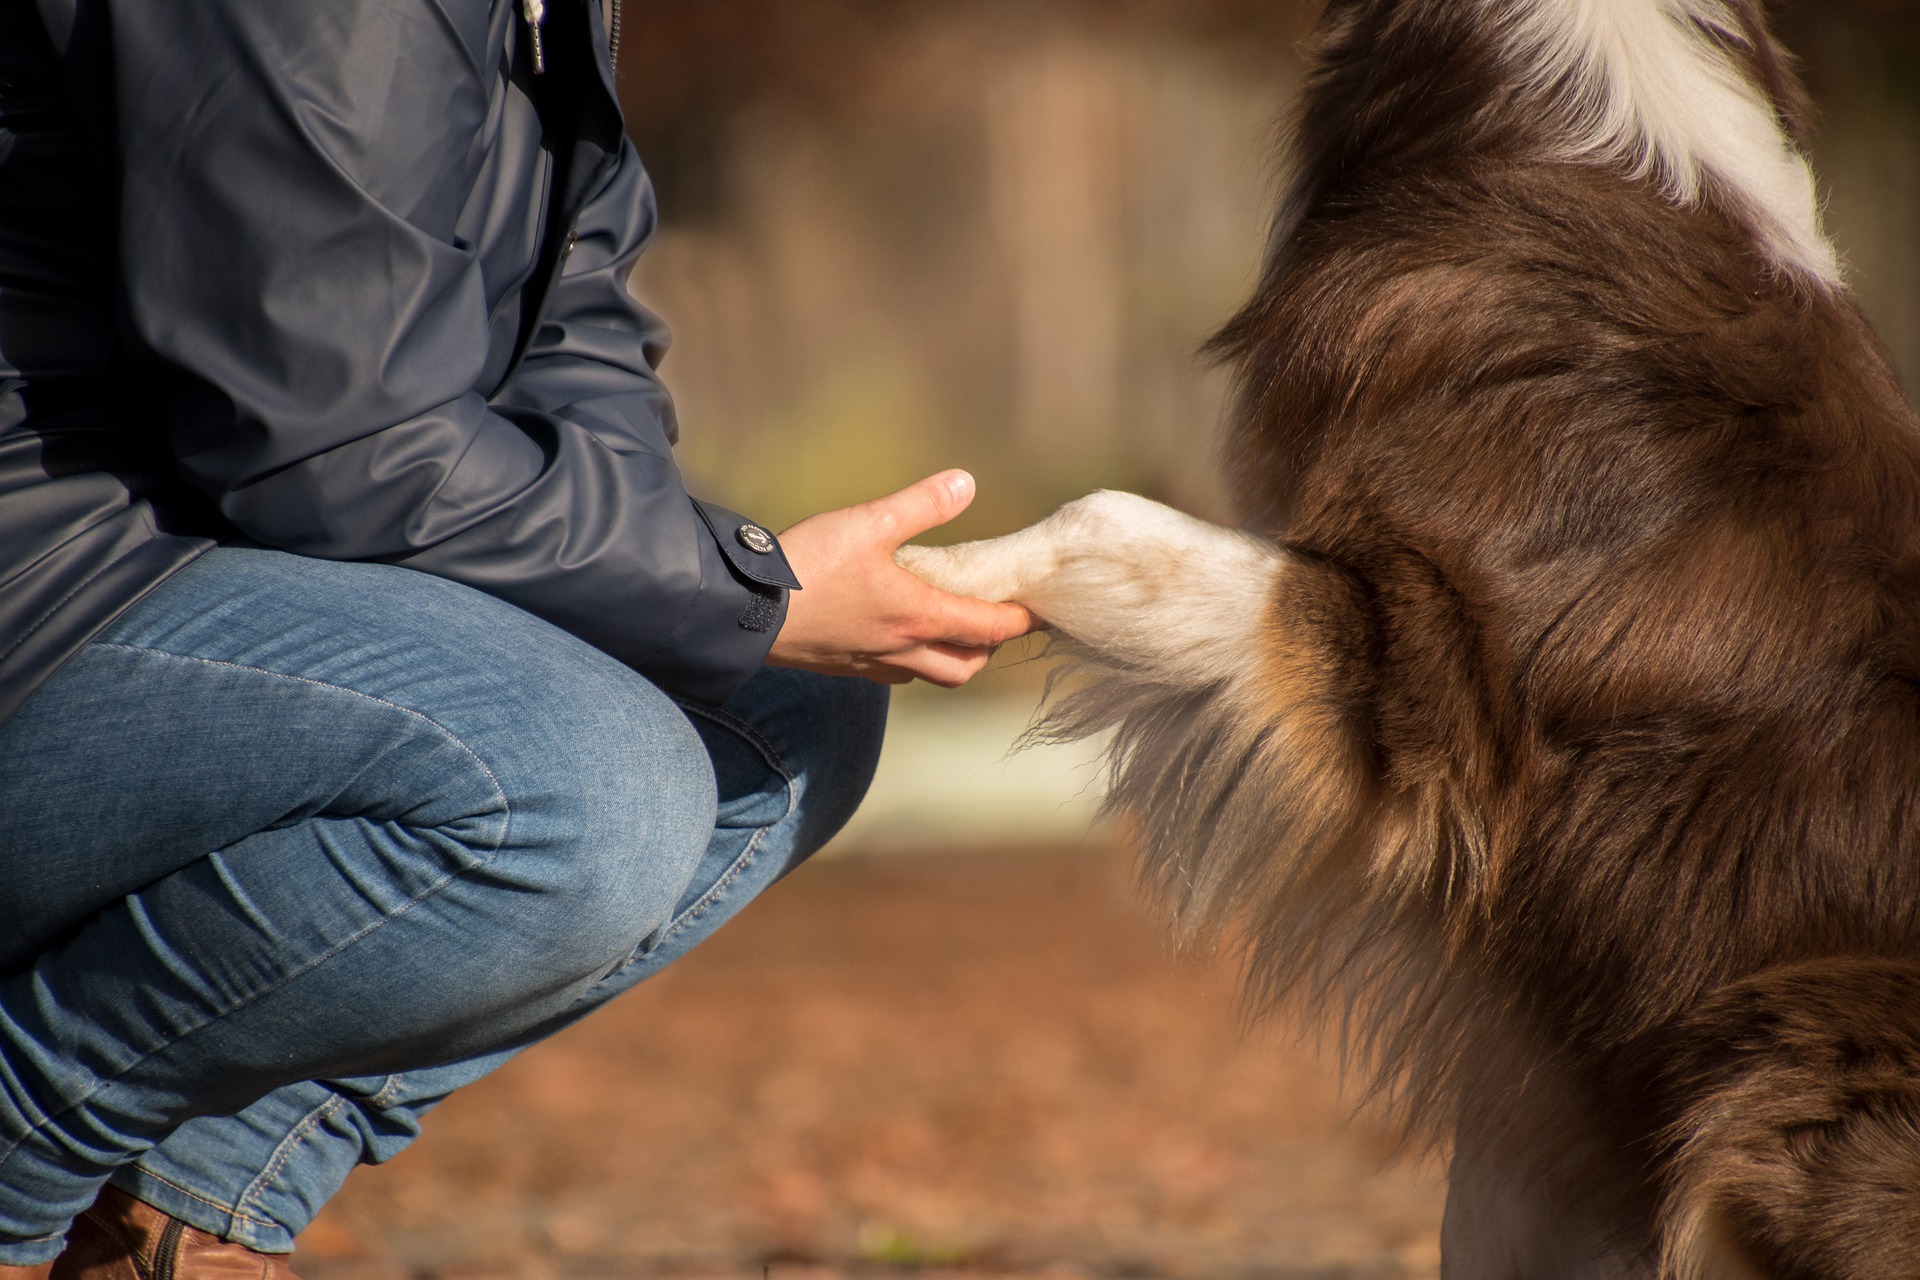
point(1169, 623)
point(1645, 87)
point(1143, 586)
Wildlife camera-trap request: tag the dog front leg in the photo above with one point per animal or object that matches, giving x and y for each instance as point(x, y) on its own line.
point(1138, 583)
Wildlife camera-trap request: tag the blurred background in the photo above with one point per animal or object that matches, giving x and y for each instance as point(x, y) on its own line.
point(902, 235)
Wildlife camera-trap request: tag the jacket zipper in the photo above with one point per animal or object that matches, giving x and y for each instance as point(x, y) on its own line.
point(534, 12)
point(166, 1257)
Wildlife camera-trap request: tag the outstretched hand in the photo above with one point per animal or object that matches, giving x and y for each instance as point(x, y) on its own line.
point(860, 614)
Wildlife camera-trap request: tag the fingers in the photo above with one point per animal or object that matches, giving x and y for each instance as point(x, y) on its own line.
point(920, 507)
point(866, 615)
point(977, 624)
point(946, 665)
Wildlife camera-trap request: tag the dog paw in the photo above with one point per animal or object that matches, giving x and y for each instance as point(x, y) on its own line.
point(1113, 570)
point(983, 570)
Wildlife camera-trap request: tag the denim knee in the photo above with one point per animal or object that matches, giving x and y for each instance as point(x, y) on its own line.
point(610, 809)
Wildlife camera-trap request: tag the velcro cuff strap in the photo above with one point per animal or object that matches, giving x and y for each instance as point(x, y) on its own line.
point(764, 611)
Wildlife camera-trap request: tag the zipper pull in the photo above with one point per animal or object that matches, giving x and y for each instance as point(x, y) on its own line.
point(534, 12)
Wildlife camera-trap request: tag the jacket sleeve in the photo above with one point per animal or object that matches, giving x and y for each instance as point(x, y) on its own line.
point(299, 184)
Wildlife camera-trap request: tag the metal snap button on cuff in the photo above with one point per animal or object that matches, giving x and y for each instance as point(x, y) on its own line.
point(755, 539)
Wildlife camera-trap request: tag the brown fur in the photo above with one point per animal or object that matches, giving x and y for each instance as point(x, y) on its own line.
point(1585, 780)
point(1799, 1097)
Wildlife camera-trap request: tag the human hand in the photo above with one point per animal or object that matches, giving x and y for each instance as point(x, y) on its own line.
point(861, 614)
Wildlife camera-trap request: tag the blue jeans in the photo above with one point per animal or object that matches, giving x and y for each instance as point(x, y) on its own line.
point(295, 849)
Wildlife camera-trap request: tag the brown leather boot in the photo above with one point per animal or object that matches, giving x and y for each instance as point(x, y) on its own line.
point(40, 1272)
point(121, 1238)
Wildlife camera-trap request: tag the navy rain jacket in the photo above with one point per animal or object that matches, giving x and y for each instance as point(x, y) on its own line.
point(345, 278)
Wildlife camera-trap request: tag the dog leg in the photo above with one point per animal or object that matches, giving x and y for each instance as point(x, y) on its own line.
point(1139, 584)
point(1218, 664)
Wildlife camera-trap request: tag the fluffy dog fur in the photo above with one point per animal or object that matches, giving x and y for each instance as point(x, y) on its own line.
point(1557, 734)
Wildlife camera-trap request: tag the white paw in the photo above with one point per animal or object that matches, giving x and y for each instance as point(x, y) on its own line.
point(1126, 576)
point(979, 569)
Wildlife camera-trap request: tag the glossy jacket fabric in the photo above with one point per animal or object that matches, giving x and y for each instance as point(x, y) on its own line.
point(346, 278)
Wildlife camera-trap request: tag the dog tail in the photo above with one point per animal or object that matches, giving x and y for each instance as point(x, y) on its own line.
point(1797, 1151)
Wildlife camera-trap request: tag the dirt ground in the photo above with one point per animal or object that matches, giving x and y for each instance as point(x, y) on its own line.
point(949, 1065)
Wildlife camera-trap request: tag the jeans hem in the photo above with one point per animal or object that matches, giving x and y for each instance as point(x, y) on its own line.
point(208, 1215)
point(31, 1253)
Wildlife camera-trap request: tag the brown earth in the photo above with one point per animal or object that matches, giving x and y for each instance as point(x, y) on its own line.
point(955, 1065)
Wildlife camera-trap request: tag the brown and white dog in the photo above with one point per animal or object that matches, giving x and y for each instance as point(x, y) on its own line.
point(1556, 731)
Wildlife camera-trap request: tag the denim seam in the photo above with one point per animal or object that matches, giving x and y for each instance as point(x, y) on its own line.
point(72, 1106)
point(388, 1091)
point(44, 1122)
point(771, 755)
point(751, 732)
point(421, 716)
point(284, 1152)
point(718, 887)
point(308, 1123)
point(195, 1195)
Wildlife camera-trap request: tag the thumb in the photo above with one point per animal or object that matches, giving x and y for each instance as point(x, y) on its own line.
point(921, 506)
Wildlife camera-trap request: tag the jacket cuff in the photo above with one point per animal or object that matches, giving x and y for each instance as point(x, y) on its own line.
point(742, 604)
point(755, 554)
